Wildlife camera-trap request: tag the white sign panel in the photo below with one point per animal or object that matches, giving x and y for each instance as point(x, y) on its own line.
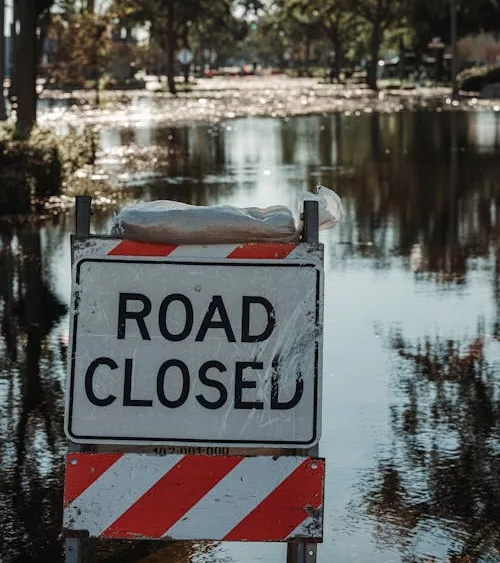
point(195, 351)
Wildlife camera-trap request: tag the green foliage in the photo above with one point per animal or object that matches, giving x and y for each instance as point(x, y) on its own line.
point(83, 43)
point(476, 78)
point(77, 149)
point(267, 42)
point(34, 168)
point(200, 25)
point(217, 28)
point(295, 33)
point(381, 13)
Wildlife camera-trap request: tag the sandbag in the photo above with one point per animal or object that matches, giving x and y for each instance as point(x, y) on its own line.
point(171, 222)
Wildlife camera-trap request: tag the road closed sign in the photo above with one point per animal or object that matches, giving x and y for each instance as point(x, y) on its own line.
point(193, 345)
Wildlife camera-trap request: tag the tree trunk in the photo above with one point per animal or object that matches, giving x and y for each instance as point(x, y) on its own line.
point(96, 71)
point(26, 60)
point(375, 41)
point(14, 47)
point(185, 44)
point(307, 51)
point(3, 113)
point(339, 56)
point(171, 45)
point(43, 27)
point(401, 64)
point(336, 62)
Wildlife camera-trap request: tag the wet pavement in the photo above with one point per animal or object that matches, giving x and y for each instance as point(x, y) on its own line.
point(411, 400)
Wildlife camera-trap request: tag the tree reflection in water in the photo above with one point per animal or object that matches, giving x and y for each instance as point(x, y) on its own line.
point(31, 405)
point(443, 474)
point(416, 185)
point(445, 467)
point(32, 374)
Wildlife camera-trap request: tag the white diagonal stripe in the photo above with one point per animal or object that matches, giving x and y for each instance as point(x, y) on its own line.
point(204, 252)
point(233, 498)
point(115, 491)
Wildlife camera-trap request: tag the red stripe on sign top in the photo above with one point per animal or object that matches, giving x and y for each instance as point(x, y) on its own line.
point(263, 250)
point(285, 508)
point(134, 248)
point(172, 496)
point(82, 470)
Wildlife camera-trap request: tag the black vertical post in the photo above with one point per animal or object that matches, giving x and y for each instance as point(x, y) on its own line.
point(454, 60)
point(78, 549)
point(304, 552)
point(82, 216)
point(452, 252)
point(3, 113)
point(311, 222)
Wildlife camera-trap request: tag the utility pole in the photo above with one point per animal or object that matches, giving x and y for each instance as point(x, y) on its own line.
point(453, 14)
point(3, 113)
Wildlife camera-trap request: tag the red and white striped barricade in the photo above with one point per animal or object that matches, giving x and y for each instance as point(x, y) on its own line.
point(194, 497)
point(216, 345)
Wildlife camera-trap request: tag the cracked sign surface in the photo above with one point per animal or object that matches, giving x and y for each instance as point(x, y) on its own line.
point(195, 350)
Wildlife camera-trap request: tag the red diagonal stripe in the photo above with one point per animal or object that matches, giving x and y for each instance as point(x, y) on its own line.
point(134, 248)
point(284, 509)
point(263, 250)
point(172, 496)
point(82, 470)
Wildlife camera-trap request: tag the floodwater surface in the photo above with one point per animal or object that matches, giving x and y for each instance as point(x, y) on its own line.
point(411, 370)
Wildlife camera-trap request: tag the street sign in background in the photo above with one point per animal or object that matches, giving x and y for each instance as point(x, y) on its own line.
point(216, 345)
point(184, 56)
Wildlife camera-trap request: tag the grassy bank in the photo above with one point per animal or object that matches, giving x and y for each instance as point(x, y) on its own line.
point(34, 169)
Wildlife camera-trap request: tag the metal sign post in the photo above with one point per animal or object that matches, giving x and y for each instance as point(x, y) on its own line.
point(305, 552)
point(78, 549)
point(182, 351)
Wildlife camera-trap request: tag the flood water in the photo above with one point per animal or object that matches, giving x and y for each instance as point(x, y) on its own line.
point(411, 399)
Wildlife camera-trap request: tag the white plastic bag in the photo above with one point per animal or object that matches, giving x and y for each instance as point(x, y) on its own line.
point(330, 207)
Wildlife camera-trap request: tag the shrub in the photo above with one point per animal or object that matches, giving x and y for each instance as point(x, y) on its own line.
point(474, 79)
point(77, 150)
point(109, 83)
point(33, 169)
